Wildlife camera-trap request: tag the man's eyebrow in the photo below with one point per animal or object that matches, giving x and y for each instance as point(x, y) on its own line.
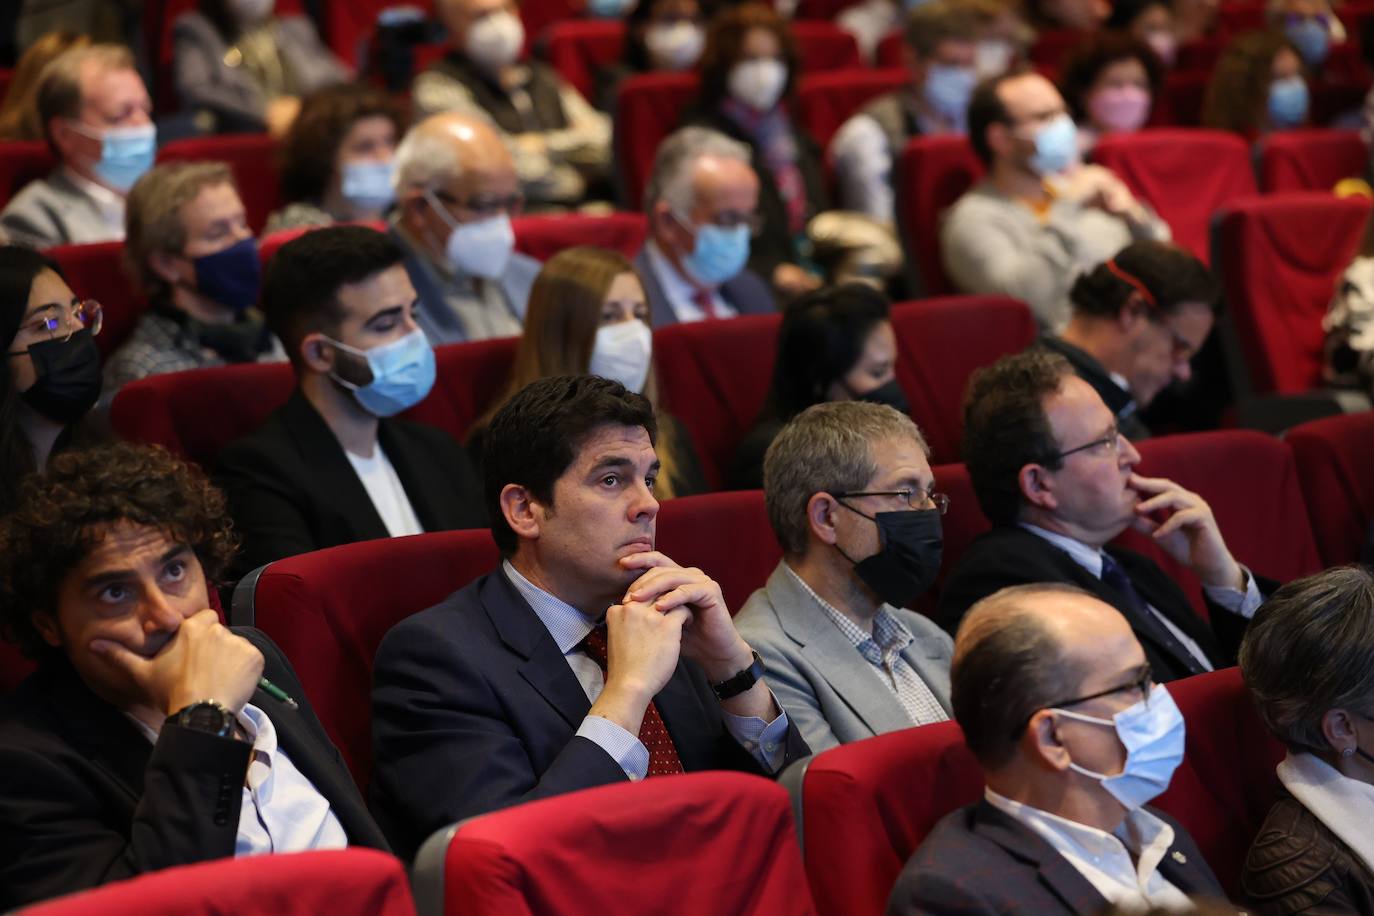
point(115, 575)
point(609, 462)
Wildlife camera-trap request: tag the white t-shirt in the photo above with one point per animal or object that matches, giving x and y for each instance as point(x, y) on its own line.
point(388, 496)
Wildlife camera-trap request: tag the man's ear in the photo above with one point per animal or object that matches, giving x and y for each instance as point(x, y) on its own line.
point(1037, 486)
point(820, 516)
point(46, 625)
point(1042, 744)
point(521, 511)
point(999, 138)
point(317, 353)
point(1134, 311)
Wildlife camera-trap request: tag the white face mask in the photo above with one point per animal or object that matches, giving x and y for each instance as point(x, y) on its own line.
point(495, 41)
point(674, 47)
point(251, 11)
point(758, 83)
point(622, 353)
point(478, 249)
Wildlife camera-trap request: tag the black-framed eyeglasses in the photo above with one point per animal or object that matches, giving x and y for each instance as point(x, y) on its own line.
point(482, 206)
point(1110, 442)
point(916, 499)
point(1144, 683)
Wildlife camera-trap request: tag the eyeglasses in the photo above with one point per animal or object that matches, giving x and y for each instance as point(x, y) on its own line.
point(54, 322)
point(916, 499)
point(481, 206)
point(1109, 443)
point(1144, 683)
point(726, 219)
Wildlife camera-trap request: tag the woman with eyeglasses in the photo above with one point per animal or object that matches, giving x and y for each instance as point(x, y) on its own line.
point(53, 366)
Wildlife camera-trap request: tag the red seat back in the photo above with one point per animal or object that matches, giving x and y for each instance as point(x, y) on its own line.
point(22, 161)
point(889, 52)
point(301, 884)
point(1310, 160)
point(941, 342)
point(1052, 48)
point(542, 237)
point(1161, 167)
point(826, 100)
point(825, 46)
point(1332, 456)
point(253, 159)
point(648, 108)
point(721, 843)
point(1181, 98)
point(469, 377)
point(96, 271)
point(934, 173)
point(964, 522)
point(578, 48)
point(689, 531)
point(1243, 16)
point(1280, 258)
point(1201, 53)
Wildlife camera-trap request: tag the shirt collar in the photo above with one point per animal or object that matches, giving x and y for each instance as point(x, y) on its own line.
point(675, 286)
point(566, 624)
point(1090, 558)
point(1141, 833)
point(889, 637)
point(103, 196)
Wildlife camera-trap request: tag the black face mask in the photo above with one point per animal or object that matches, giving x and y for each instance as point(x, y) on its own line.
point(68, 377)
point(890, 394)
point(242, 340)
point(909, 559)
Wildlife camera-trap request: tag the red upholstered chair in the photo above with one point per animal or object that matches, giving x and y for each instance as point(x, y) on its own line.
point(22, 161)
point(889, 53)
point(934, 173)
point(97, 272)
point(691, 529)
point(1052, 48)
point(1332, 456)
point(542, 237)
point(1310, 160)
point(577, 48)
point(469, 377)
point(1161, 166)
point(941, 342)
point(821, 9)
point(539, 15)
point(1280, 257)
point(689, 844)
point(1242, 16)
point(1181, 98)
point(826, 100)
point(963, 523)
point(825, 46)
point(337, 881)
point(1200, 53)
point(648, 108)
point(253, 159)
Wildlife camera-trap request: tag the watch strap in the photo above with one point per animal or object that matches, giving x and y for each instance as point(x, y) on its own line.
point(739, 683)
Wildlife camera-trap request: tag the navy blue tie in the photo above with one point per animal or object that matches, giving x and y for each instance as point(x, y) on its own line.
point(1145, 620)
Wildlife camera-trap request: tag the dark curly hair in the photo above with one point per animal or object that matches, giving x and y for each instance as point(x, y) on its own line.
point(311, 147)
point(64, 512)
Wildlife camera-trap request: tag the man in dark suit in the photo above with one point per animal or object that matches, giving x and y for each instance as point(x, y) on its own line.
point(1056, 478)
point(702, 203)
point(1056, 701)
point(587, 657)
point(331, 466)
point(146, 738)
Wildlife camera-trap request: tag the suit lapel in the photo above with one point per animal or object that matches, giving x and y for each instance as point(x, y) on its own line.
point(927, 659)
point(100, 731)
point(660, 311)
point(428, 493)
point(333, 473)
point(1056, 872)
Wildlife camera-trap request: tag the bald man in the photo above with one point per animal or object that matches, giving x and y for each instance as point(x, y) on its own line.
point(456, 191)
point(1056, 701)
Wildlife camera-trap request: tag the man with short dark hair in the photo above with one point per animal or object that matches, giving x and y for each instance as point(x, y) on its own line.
point(587, 657)
point(332, 466)
point(1057, 479)
point(147, 738)
point(1057, 702)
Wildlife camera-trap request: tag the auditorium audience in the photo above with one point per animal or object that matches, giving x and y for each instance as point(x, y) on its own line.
point(1067, 15)
point(1057, 479)
point(52, 373)
point(1307, 661)
point(853, 503)
point(1348, 348)
point(1004, 37)
point(96, 116)
point(1138, 321)
point(940, 55)
point(702, 204)
point(19, 112)
point(145, 739)
point(660, 36)
point(1150, 21)
point(1194, 19)
point(353, 129)
point(588, 314)
point(1110, 82)
point(1257, 86)
point(835, 344)
point(332, 465)
point(512, 690)
point(561, 144)
point(1311, 26)
point(190, 248)
point(1058, 703)
point(748, 79)
point(1040, 217)
point(241, 68)
point(456, 191)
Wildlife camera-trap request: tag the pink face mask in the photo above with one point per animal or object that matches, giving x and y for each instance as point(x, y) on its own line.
point(1120, 108)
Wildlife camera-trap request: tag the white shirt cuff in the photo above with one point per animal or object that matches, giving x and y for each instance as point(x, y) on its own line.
point(766, 742)
point(1244, 603)
point(624, 748)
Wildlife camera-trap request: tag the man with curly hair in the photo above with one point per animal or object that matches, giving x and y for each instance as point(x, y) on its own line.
point(148, 737)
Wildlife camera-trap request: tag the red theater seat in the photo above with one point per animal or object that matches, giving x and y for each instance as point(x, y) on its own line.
point(1181, 98)
point(934, 173)
point(542, 237)
point(338, 881)
point(1244, 16)
point(826, 100)
point(825, 46)
point(1161, 166)
point(1052, 49)
point(22, 161)
point(721, 843)
point(648, 108)
point(578, 48)
point(1310, 160)
point(253, 159)
point(97, 272)
point(1280, 257)
point(890, 50)
point(1333, 461)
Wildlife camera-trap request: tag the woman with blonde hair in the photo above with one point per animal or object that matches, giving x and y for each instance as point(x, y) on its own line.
point(587, 313)
point(19, 111)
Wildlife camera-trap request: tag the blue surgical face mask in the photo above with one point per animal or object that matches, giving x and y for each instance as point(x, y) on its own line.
point(947, 90)
point(367, 185)
point(608, 9)
point(719, 253)
point(231, 277)
point(1056, 147)
point(1152, 732)
point(1311, 37)
point(125, 153)
point(402, 374)
point(1288, 102)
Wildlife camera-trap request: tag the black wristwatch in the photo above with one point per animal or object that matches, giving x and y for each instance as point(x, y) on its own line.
point(741, 682)
point(209, 716)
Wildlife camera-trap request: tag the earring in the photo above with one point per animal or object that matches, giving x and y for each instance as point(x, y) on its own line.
point(1348, 752)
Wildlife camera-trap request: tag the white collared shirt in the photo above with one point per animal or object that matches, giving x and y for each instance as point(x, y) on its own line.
point(1122, 865)
point(109, 204)
point(680, 291)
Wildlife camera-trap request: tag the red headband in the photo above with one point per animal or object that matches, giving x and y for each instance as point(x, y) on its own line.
point(1135, 283)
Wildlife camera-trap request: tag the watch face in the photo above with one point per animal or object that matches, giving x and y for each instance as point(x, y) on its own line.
point(208, 717)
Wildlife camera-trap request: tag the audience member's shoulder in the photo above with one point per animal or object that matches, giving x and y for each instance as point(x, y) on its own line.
point(1290, 865)
point(455, 620)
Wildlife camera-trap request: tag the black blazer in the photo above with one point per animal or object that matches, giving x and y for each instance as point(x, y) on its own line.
point(474, 708)
point(85, 798)
point(981, 860)
point(1011, 555)
point(1118, 400)
point(292, 490)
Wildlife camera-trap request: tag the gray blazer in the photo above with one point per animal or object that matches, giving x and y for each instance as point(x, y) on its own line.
point(831, 693)
point(746, 292)
point(54, 211)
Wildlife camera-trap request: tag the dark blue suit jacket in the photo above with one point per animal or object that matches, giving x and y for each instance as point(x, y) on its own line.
point(747, 293)
point(474, 708)
point(979, 860)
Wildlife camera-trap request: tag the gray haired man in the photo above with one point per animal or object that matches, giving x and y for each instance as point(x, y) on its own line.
point(702, 204)
point(851, 498)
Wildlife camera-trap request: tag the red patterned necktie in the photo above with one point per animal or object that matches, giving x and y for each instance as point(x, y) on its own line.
point(653, 734)
point(707, 303)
